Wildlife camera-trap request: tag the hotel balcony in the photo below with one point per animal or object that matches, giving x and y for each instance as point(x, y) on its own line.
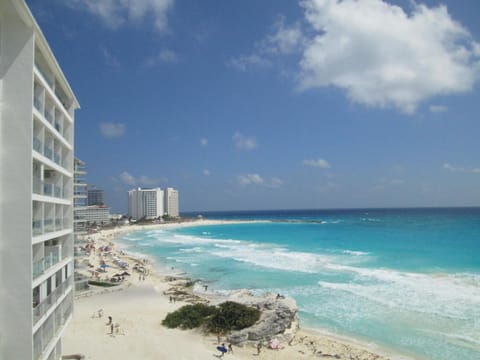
point(50, 329)
point(42, 308)
point(39, 267)
point(40, 227)
point(48, 189)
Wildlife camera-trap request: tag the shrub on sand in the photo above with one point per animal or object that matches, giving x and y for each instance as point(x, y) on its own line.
point(226, 317)
point(188, 316)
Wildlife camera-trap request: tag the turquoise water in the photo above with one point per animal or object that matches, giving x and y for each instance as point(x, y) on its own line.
point(406, 279)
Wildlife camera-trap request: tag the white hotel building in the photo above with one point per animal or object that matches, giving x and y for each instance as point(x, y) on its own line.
point(152, 203)
point(36, 190)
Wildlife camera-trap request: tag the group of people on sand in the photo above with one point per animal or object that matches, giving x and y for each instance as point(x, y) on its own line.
point(114, 327)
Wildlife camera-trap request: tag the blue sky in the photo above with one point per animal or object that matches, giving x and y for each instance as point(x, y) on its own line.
point(275, 104)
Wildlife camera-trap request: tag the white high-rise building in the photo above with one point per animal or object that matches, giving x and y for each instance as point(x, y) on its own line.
point(171, 202)
point(36, 190)
point(145, 203)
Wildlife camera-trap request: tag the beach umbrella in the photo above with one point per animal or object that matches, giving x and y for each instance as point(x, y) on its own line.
point(103, 266)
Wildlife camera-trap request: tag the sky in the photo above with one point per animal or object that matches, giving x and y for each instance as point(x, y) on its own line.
point(274, 104)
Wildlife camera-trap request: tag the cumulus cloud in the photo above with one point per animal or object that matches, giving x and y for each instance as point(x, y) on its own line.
point(256, 179)
point(116, 13)
point(141, 180)
point(459, 169)
point(320, 163)
point(243, 142)
point(206, 172)
point(112, 130)
point(204, 141)
point(384, 57)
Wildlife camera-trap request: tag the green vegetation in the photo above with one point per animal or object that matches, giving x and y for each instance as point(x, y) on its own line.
point(101, 283)
point(226, 317)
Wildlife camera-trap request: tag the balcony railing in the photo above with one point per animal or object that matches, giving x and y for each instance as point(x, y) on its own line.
point(39, 267)
point(42, 308)
point(52, 327)
point(48, 189)
point(48, 225)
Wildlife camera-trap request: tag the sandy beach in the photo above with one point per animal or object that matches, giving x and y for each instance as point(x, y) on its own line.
point(138, 306)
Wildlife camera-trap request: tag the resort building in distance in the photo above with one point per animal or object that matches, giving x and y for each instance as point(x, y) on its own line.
point(36, 185)
point(152, 203)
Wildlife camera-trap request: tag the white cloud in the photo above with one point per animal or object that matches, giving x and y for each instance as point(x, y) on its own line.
point(112, 130)
point(255, 179)
point(142, 180)
point(245, 61)
point(244, 142)
point(165, 56)
point(206, 172)
point(204, 141)
point(284, 39)
point(438, 108)
point(275, 182)
point(116, 13)
point(459, 169)
point(384, 57)
point(320, 163)
point(250, 179)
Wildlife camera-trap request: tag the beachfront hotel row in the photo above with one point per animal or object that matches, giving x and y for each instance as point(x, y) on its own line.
point(36, 190)
point(152, 203)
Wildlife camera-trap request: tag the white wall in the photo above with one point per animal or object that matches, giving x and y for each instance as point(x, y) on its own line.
point(16, 73)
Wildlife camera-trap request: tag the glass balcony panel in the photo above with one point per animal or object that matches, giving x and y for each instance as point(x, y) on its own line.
point(37, 344)
point(58, 192)
point(47, 189)
point(48, 152)
point(42, 308)
point(48, 225)
point(38, 268)
point(37, 227)
point(56, 159)
point(58, 224)
point(37, 103)
point(37, 144)
point(49, 116)
point(37, 186)
point(57, 127)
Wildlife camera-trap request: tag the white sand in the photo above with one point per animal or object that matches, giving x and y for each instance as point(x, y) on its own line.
point(140, 306)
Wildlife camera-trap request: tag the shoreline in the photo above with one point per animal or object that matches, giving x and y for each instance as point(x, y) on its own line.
point(136, 298)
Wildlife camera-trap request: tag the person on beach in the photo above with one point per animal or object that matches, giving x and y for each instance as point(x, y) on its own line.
point(259, 348)
point(109, 320)
point(230, 348)
point(222, 350)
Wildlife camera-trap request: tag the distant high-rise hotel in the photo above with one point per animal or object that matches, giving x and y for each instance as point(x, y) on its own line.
point(171, 202)
point(95, 197)
point(37, 109)
point(152, 203)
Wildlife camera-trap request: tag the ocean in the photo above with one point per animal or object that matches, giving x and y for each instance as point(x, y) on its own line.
point(404, 279)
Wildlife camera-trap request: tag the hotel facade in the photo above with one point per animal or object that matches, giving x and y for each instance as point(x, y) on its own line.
point(36, 190)
point(152, 203)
